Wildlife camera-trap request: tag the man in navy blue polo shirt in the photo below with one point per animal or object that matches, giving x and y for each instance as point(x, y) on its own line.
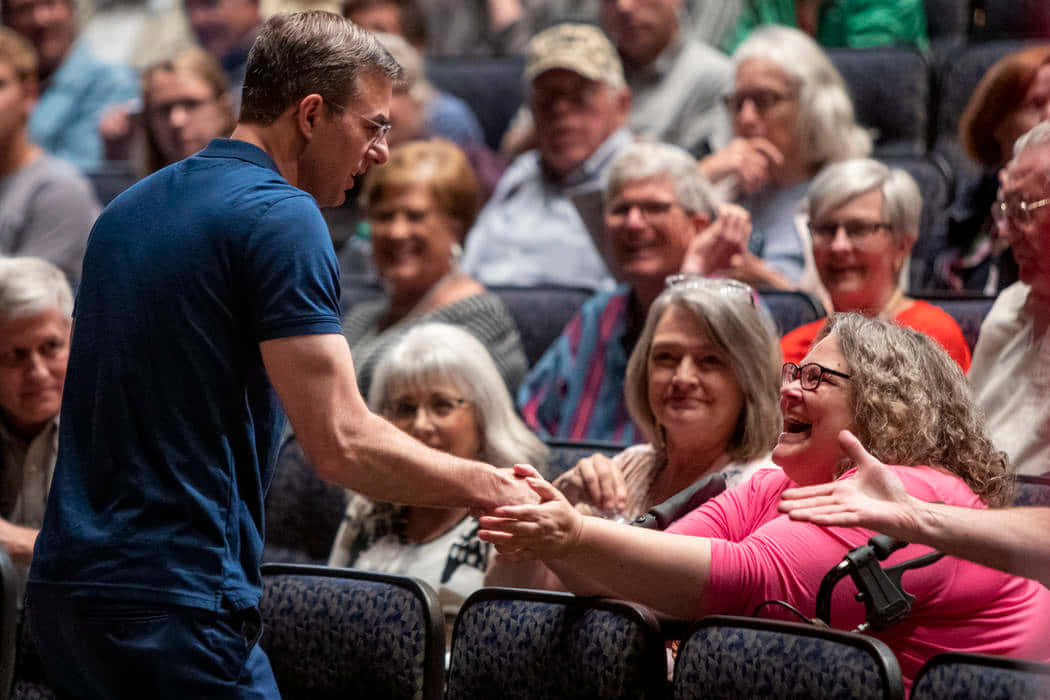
point(209, 291)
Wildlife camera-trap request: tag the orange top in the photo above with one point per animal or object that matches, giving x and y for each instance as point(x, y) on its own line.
point(920, 315)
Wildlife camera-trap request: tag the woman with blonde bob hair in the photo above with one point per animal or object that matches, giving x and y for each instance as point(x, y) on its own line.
point(863, 221)
point(792, 116)
point(440, 385)
point(702, 386)
point(867, 390)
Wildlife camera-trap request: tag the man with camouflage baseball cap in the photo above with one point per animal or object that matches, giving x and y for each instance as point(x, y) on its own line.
point(531, 232)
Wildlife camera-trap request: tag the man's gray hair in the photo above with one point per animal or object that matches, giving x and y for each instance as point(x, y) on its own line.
point(737, 328)
point(30, 286)
point(838, 183)
point(828, 128)
point(302, 53)
point(1037, 135)
point(439, 352)
point(648, 159)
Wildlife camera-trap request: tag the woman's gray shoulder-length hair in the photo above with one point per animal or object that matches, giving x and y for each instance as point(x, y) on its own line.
point(735, 325)
point(433, 352)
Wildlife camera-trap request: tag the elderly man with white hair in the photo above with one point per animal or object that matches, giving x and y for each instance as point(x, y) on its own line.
point(656, 204)
point(35, 310)
point(1010, 373)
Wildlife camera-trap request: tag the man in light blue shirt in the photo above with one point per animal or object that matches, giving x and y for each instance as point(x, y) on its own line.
point(531, 231)
point(75, 86)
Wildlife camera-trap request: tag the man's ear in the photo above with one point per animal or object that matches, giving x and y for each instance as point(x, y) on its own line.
point(623, 101)
point(308, 113)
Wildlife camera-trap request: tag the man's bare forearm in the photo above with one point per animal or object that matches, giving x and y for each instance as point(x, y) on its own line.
point(1015, 540)
point(18, 541)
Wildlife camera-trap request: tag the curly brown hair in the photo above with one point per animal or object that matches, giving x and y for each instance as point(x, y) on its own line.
point(912, 405)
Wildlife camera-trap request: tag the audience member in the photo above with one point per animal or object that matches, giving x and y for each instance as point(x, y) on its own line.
point(439, 385)
point(791, 116)
point(676, 82)
point(185, 104)
point(226, 30)
point(36, 305)
point(858, 24)
point(531, 232)
point(656, 203)
point(736, 551)
point(46, 206)
point(448, 27)
point(420, 206)
point(75, 86)
point(1011, 98)
point(864, 220)
point(1011, 363)
point(702, 384)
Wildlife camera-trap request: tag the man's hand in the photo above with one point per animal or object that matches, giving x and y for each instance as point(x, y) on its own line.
point(545, 531)
point(717, 247)
point(750, 161)
point(872, 498)
point(597, 481)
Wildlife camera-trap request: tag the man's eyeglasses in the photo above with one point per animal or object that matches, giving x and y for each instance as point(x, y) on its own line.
point(652, 211)
point(1016, 211)
point(723, 287)
point(437, 406)
point(857, 230)
point(763, 100)
point(809, 374)
point(381, 129)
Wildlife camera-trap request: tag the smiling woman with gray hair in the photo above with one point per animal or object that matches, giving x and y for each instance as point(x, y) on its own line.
point(863, 221)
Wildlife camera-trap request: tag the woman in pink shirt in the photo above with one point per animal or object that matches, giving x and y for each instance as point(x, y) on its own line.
point(908, 403)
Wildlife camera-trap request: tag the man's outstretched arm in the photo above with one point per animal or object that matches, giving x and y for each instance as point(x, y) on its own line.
point(349, 445)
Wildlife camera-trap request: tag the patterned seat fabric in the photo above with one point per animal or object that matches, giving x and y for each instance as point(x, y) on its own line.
point(977, 677)
point(724, 659)
point(562, 647)
point(302, 511)
point(1032, 490)
point(791, 309)
point(329, 636)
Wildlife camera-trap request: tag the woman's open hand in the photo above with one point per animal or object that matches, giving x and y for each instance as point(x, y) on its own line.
point(873, 497)
point(597, 481)
point(545, 531)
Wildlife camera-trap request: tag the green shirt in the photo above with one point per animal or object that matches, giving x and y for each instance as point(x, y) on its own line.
point(857, 24)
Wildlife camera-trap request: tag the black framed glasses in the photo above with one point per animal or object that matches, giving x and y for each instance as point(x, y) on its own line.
point(809, 375)
point(857, 230)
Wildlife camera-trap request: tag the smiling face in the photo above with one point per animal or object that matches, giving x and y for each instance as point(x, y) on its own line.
point(860, 272)
point(441, 419)
point(573, 117)
point(16, 104)
point(184, 113)
point(33, 354)
point(692, 384)
point(343, 144)
point(778, 119)
point(649, 231)
point(808, 449)
point(412, 240)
